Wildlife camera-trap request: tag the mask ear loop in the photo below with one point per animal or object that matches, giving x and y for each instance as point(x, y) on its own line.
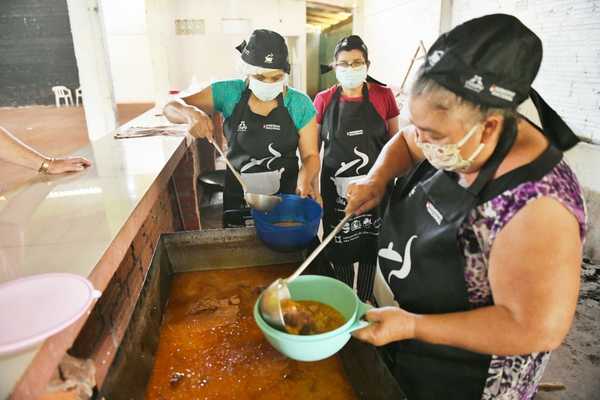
point(468, 136)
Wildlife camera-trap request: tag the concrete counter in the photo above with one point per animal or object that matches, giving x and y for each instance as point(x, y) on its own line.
point(85, 223)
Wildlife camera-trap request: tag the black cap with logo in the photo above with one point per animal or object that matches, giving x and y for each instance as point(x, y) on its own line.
point(492, 61)
point(349, 43)
point(266, 49)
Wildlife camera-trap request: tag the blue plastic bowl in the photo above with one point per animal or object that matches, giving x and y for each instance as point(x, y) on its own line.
point(293, 208)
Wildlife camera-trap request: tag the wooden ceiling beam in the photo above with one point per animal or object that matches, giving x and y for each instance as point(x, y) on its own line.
point(319, 13)
point(322, 20)
point(339, 24)
point(328, 7)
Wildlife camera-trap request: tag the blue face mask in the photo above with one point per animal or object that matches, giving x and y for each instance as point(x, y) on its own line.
point(266, 91)
point(351, 78)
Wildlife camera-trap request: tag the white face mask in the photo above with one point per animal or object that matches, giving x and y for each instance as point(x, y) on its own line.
point(266, 91)
point(351, 78)
point(447, 156)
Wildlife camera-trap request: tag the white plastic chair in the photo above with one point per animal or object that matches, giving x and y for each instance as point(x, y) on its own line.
point(62, 92)
point(78, 96)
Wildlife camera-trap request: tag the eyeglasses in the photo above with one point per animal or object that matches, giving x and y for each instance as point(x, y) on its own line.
point(353, 64)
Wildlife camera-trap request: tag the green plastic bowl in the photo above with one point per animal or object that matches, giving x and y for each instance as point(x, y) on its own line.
point(317, 347)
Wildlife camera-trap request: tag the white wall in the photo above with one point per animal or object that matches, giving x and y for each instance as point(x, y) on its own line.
point(392, 29)
point(129, 51)
point(209, 56)
point(212, 56)
point(569, 78)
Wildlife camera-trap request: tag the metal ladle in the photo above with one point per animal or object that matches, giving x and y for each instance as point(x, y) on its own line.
point(270, 303)
point(261, 202)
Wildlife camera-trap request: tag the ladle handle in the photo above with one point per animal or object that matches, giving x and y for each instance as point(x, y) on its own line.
point(316, 252)
point(233, 170)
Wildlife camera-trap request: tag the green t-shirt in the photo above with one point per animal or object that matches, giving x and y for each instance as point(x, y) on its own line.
point(226, 95)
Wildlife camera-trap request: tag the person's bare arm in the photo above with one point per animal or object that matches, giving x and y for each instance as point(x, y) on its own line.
point(534, 272)
point(15, 151)
point(194, 110)
point(396, 159)
point(308, 175)
point(392, 124)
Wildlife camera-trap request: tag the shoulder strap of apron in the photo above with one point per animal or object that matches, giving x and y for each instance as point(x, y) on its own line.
point(241, 104)
point(334, 103)
point(365, 91)
point(279, 99)
point(507, 139)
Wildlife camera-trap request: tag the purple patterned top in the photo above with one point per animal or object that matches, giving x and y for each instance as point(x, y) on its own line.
point(512, 377)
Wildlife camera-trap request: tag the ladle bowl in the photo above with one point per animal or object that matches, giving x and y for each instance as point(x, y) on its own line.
point(270, 303)
point(319, 346)
point(262, 202)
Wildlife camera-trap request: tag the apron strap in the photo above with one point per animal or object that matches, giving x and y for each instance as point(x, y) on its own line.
point(280, 100)
point(507, 139)
point(245, 96)
point(365, 91)
point(335, 111)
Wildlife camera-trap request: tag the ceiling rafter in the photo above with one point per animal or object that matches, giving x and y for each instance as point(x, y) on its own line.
point(326, 16)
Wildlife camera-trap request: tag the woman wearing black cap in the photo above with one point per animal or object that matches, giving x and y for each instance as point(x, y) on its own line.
point(480, 249)
point(355, 119)
point(265, 123)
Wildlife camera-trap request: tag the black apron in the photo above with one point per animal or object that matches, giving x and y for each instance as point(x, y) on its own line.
point(353, 134)
point(263, 150)
point(421, 267)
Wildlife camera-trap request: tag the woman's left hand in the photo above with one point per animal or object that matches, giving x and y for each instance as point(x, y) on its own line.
point(68, 164)
point(305, 188)
point(388, 324)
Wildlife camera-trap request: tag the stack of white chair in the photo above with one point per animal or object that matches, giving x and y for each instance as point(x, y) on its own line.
point(78, 96)
point(62, 93)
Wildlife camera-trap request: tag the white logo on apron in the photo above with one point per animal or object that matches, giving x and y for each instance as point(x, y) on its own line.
point(341, 183)
point(266, 182)
point(242, 126)
point(383, 292)
point(355, 133)
point(272, 127)
point(434, 212)
point(406, 263)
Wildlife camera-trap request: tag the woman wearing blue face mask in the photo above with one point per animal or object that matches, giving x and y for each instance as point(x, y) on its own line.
point(479, 253)
point(266, 122)
point(355, 119)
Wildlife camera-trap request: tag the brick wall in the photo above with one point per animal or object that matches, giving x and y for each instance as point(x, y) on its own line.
point(569, 77)
point(36, 51)
point(106, 326)
point(176, 209)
